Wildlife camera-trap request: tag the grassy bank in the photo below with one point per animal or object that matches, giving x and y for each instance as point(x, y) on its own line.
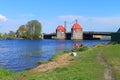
point(84, 66)
point(7, 75)
point(112, 56)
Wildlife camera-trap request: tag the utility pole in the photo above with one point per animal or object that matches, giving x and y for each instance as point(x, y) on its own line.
point(65, 28)
point(76, 21)
point(65, 24)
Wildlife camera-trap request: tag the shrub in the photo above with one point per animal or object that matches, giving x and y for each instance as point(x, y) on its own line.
point(67, 51)
point(83, 48)
point(41, 62)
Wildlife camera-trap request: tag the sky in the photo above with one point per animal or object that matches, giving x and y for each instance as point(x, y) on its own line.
point(92, 15)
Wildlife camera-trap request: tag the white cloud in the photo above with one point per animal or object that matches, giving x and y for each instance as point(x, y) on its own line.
point(3, 18)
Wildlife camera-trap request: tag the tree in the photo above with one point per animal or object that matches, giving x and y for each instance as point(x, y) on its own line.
point(1, 36)
point(33, 29)
point(5, 36)
point(21, 32)
point(11, 35)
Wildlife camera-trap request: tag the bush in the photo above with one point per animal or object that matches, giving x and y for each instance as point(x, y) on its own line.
point(67, 51)
point(83, 48)
point(41, 62)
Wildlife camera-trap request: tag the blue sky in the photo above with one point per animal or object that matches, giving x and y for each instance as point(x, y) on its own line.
point(92, 15)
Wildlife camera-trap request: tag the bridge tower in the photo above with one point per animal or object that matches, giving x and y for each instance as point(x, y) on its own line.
point(76, 32)
point(61, 32)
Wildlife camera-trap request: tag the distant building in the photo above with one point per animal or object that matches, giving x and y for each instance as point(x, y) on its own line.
point(76, 32)
point(61, 32)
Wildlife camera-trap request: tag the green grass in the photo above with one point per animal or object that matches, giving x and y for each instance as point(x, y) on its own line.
point(41, 62)
point(6, 74)
point(112, 54)
point(59, 54)
point(83, 67)
point(83, 48)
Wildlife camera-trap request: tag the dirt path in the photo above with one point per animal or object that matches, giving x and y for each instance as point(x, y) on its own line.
point(108, 74)
point(61, 61)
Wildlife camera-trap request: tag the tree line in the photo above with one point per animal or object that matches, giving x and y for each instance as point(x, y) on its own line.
point(32, 30)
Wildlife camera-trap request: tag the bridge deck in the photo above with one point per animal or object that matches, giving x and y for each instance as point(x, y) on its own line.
point(85, 34)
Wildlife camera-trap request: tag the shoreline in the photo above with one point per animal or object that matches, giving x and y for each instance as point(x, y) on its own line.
point(59, 61)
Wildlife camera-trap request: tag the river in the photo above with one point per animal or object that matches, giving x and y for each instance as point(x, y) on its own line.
point(19, 55)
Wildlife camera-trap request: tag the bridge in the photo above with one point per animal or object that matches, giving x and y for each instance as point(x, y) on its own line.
point(87, 35)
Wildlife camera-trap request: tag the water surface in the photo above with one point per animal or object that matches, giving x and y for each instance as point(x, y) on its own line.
point(19, 55)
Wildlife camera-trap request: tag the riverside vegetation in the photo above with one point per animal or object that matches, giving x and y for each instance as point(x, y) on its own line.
point(31, 31)
point(87, 65)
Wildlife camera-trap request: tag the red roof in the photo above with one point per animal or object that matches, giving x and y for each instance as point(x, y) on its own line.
point(76, 26)
point(60, 27)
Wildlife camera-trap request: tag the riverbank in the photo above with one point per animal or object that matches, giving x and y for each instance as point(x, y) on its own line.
point(60, 61)
point(99, 63)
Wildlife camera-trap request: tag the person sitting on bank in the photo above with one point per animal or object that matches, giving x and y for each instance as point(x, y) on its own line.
point(76, 46)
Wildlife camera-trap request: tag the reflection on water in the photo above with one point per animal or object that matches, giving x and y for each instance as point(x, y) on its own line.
point(61, 45)
point(19, 55)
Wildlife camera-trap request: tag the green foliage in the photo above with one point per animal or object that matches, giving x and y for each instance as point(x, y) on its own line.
point(4, 36)
point(11, 35)
point(34, 29)
point(67, 51)
point(1, 36)
point(21, 32)
point(83, 48)
point(41, 62)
